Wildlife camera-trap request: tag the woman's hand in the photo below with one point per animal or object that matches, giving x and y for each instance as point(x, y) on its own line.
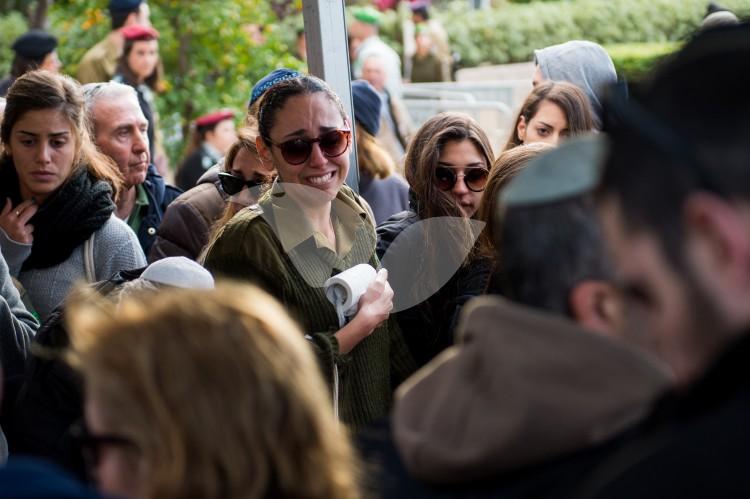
point(374, 307)
point(14, 221)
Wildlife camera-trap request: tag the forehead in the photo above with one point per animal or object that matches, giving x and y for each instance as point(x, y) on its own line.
point(145, 44)
point(42, 121)
point(550, 112)
point(118, 111)
point(309, 114)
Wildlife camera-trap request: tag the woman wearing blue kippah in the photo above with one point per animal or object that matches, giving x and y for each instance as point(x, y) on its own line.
point(309, 227)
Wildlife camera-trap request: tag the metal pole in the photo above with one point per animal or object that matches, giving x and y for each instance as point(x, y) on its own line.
point(328, 59)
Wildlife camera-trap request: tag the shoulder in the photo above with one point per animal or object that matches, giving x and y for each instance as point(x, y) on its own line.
point(114, 232)
point(397, 223)
point(162, 192)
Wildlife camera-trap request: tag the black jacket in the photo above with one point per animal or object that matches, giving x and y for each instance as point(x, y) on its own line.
point(160, 195)
point(51, 398)
point(428, 327)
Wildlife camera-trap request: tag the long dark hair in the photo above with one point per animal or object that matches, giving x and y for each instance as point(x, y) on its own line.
point(152, 81)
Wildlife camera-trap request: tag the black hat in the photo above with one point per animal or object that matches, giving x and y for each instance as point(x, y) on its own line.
point(367, 106)
point(34, 44)
point(124, 5)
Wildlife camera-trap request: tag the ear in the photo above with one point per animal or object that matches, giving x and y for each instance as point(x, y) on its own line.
point(264, 153)
point(521, 128)
point(595, 305)
point(718, 242)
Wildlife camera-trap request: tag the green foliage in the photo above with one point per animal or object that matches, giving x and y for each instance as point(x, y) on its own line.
point(511, 32)
point(634, 61)
point(209, 57)
point(12, 26)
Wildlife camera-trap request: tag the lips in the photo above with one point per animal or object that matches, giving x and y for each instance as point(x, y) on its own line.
point(43, 175)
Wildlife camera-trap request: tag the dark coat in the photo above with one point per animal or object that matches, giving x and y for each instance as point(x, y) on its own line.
point(694, 444)
point(191, 170)
point(160, 195)
point(186, 225)
point(428, 327)
point(51, 398)
point(386, 196)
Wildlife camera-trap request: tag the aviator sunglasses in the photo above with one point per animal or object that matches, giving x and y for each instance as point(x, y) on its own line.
point(232, 184)
point(474, 178)
point(297, 151)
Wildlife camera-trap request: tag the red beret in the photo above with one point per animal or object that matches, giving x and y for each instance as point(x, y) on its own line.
point(213, 118)
point(139, 33)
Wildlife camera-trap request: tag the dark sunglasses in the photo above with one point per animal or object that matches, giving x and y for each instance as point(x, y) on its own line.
point(474, 178)
point(232, 184)
point(91, 444)
point(297, 151)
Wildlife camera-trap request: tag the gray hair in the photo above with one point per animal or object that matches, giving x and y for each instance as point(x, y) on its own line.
point(110, 90)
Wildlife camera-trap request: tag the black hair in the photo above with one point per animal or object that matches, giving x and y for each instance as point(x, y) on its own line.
point(422, 12)
point(687, 131)
point(22, 65)
point(546, 250)
point(120, 16)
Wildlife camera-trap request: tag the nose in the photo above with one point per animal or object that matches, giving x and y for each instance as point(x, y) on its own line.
point(140, 142)
point(460, 188)
point(44, 154)
point(554, 139)
point(317, 158)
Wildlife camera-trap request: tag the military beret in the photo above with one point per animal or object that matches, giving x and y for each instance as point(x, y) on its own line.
point(367, 15)
point(570, 170)
point(124, 5)
point(214, 117)
point(34, 44)
point(271, 79)
point(136, 32)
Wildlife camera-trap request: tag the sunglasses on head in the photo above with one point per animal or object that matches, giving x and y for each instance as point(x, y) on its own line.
point(297, 151)
point(475, 178)
point(232, 184)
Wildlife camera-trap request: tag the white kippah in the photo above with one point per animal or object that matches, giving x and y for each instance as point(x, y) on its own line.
point(179, 272)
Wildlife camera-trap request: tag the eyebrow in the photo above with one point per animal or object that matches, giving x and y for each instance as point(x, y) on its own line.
point(301, 132)
point(477, 164)
point(546, 124)
point(54, 134)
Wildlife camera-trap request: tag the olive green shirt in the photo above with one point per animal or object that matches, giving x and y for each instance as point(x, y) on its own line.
point(100, 61)
point(139, 210)
point(272, 245)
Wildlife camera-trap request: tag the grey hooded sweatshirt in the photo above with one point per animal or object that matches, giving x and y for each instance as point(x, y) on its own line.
point(582, 63)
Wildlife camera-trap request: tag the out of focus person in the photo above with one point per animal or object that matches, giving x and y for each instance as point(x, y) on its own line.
point(447, 166)
point(57, 190)
point(213, 135)
point(552, 112)
point(385, 192)
point(364, 33)
point(139, 67)
point(584, 64)
point(673, 198)
point(28, 478)
point(50, 400)
point(99, 63)
point(554, 347)
point(256, 424)
point(395, 129)
point(120, 131)
point(431, 49)
point(426, 66)
point(35, 49)
point(716, 15)
point(307, 228)
point(220, 193)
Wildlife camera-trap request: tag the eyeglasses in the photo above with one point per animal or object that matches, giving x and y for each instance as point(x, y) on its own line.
point(92, 444)
point(232, 184)
point(474, 178)
point(297, 151)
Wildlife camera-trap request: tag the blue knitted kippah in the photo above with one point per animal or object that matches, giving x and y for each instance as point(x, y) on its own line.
point(271, 79)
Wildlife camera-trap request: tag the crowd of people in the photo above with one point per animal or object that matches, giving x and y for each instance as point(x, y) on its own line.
point(562, 318)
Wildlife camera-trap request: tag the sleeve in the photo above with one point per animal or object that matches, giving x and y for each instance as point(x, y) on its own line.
point(117, 248)
point(182, 232)
point(17, 326)
point(403, 364)
point(15, 253)
point(91, 72)
point(473, 281)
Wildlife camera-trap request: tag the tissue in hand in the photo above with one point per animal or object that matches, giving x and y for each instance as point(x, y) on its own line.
point(345, 289)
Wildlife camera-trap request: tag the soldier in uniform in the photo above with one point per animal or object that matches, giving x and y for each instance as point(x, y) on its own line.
point(213, 135)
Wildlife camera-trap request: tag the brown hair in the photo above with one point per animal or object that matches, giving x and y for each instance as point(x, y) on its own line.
point(422, 159)
point(506, 167)
point(218, 391)
point(152, 81)
point(39, 90)
point(569, 98)
point(372, 158)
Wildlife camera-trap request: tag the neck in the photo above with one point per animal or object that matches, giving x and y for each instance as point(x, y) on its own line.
point(126, 203)
point(319, 217)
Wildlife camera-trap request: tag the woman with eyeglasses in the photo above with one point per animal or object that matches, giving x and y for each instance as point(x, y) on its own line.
point(553, 111)
point(447, 165)
point(309, 227)
point(224, 189)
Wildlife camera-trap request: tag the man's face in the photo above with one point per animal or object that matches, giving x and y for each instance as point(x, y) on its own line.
point(668, 312)
point(121, 134)
point(373, 70)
